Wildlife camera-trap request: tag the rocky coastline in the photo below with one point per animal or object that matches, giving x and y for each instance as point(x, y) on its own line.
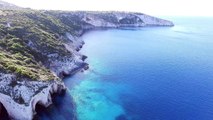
point(20, 94)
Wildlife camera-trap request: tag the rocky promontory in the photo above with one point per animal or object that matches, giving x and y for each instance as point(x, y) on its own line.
point(39, 48)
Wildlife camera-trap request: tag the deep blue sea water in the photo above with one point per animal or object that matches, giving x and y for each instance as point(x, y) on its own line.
point(151, 73)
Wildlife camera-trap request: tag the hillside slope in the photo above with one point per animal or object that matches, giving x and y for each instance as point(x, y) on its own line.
point(8, 6)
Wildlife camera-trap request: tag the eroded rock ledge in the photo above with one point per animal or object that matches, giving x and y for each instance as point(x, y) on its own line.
point(20, 94)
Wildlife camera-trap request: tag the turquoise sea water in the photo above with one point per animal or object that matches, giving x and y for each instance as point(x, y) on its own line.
point(152, 73)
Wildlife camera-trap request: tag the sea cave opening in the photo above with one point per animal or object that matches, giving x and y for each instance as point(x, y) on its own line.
point(41, 109)
point(57, 104)
point(3, 112)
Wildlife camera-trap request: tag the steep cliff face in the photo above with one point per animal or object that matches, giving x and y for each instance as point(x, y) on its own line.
point(110, 19)
point(39, 48)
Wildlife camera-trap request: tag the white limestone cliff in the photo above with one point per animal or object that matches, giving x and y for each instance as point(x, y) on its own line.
point(31, 93)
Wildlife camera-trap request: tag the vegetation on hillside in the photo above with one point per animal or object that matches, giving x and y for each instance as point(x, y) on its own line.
point(27, 37)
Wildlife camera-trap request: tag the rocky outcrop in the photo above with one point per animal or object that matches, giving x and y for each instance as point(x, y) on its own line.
point(20, 97)
point(153, 21)
point(58, 55)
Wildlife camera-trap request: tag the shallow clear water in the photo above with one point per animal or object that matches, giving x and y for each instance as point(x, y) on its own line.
point(153, 73)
